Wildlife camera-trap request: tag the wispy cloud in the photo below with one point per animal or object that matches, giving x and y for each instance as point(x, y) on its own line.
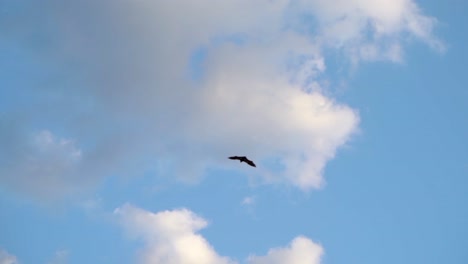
point(60, 257)
point(7, 258)
point(249, 200)
point(372, 30)
point(40, 163)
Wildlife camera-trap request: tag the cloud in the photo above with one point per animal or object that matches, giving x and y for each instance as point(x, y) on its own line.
point(301, 251)
point(91, 204)
point(249, 200)
point(120, 83)
point(169, 236)
point(40, 163)
point(172, 237)
point(372, 30)
point(60, 257)
point(6, 258)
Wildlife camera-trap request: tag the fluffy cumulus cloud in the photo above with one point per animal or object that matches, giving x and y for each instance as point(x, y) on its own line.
point(6, 258)
point(119, 86)
point(171, 237)
point(301, 251)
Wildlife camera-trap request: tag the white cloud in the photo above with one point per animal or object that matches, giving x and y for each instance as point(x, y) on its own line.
point(129, 100)
point(169, 236)
point(7, 258)
point(172, 237)
point(301, 251)
point(381, 24)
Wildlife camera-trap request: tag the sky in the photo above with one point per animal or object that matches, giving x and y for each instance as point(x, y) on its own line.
point(117, 118)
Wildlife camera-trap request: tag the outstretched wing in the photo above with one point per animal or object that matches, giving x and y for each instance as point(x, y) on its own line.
point(235, 158)
point(250, 163)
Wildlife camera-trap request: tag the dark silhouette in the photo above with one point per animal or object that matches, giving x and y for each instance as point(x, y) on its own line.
point(243, 159)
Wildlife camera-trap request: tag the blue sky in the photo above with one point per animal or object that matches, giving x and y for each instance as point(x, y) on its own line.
point(117, 117)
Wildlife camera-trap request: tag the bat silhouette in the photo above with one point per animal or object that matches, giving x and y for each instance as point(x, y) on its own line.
point(243, 159)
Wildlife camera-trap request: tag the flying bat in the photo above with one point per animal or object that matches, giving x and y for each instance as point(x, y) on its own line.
point(243, 159)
